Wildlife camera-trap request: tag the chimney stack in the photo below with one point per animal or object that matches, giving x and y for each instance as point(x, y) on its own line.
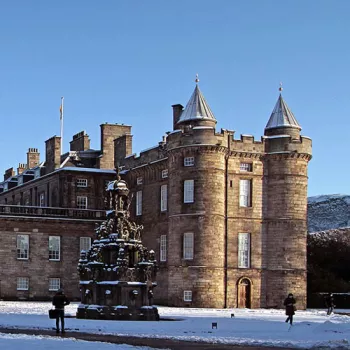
point(177, 110)
point(21, 168)
point(9, 173)
point(33, 158)
point(80, 142)
point(53, 154)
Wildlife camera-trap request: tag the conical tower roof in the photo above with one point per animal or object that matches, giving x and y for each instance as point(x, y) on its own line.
point(282, 116)
point(197, 108)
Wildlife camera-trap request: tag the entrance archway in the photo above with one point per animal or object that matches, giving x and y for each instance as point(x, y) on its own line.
point(244, 293)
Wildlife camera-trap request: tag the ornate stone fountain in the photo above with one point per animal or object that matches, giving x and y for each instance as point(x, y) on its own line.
point(117, 274)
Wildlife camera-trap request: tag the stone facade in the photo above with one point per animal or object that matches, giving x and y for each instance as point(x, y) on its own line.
point(227, 216)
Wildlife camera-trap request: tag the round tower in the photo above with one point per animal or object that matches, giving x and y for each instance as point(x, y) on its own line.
point(285, 211)
point(196, 243)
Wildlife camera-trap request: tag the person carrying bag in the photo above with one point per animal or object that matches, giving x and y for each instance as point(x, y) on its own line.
point(60, 301)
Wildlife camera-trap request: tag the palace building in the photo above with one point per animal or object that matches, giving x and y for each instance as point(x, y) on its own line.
point(226, 216)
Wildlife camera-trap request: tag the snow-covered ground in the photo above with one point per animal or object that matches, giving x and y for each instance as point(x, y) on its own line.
point(259, 327)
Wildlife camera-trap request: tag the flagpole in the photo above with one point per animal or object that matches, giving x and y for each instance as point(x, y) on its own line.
point(61, 120)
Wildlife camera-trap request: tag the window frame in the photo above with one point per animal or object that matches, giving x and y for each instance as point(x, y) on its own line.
point(51, 252)
point(42, 199)
point(162, 248)
point(165, 173)
point(139, 180)
point(245, 193)
point(138, 203)
point(82, 243)
point(163, 198)
point(81, 182)
point(244, 248)
point(188, 246)
point(80, 200)
point(22, 283)
point(188, 296)
point(19, 249)
point(246, 167)
point(188, 161)
point(189, 191)
point(51, 284)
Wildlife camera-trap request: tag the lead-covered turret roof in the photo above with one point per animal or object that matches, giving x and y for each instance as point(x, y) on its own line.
point(282, 116)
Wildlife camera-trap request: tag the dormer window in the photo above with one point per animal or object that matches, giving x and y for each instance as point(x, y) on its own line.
point(37, 173)
point(139, 181)
point(189, 161)
point(248, 167)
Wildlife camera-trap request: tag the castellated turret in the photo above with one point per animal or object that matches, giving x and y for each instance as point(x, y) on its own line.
point(227, 215)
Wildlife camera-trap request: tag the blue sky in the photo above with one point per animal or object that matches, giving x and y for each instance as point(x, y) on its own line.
point(129, 61)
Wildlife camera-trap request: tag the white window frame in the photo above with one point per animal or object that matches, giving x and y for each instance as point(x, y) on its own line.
point(22, 283)
point(42, 199)
point(188, 191)
point(85, 243)
point(22, 247)
point(246, 167)
point(188, 246)
point(188, 295)
point(139, 181)
point(82, 202)
point(244, 250)
point(54, 255)
point(245, 192)
point(164, 198)
point(138, 203)
point(162, 248)
point(54, 284)
point(189, 161)
point(164, 173)
point(82, 182)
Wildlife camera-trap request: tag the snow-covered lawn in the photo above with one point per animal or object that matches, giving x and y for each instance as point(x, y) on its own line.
point(311, 329)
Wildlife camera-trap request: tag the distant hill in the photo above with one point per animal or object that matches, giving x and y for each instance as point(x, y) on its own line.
point(328, 212)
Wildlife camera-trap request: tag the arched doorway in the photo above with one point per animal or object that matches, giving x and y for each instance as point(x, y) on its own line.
point(244, 293)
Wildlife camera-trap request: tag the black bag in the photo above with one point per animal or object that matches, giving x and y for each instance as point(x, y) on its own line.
point(53, 313)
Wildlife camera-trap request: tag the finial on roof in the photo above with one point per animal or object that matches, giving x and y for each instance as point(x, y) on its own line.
point(281, 87)
point(197, 79)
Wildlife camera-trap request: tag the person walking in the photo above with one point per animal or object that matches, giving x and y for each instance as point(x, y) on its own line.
point(60, 301)
point(289, 303)
point(329, 301)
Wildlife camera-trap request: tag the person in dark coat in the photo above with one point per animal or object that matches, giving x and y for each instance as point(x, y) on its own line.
point(289, 303)
point(329, 301)
point(60, 301)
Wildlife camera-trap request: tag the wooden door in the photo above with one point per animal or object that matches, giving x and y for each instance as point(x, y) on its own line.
point(244, 293)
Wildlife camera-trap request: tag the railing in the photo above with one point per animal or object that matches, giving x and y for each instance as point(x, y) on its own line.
point(74, 213)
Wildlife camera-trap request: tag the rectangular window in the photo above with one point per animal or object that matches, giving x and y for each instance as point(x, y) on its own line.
point(139, 203)
point(82, 182)
point(164, 173)
point(246, 167)
point(81, 202)
point(54, 248)
point(187, 295)
point(54, 284)
point(139, 181)
point(22, 283)
point(42, 199)
point(163, 198)
point(22, 246)
point(245, 193)
point(85, 243)
point(244, 250)
point(189, 161)
point(188, 191)
point(162, 248)
point(188, 246)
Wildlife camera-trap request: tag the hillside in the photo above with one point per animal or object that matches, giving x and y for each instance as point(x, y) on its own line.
point(328, 212)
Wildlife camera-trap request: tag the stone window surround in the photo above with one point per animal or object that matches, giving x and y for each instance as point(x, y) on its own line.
point(244, 250)
point(163, 198)
point(245, 193)
point(85, 243)
point(189, 161)
point(138, 203)
point(188, 191)
point(162, 248)
point(82, 202)
point(188, 246)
